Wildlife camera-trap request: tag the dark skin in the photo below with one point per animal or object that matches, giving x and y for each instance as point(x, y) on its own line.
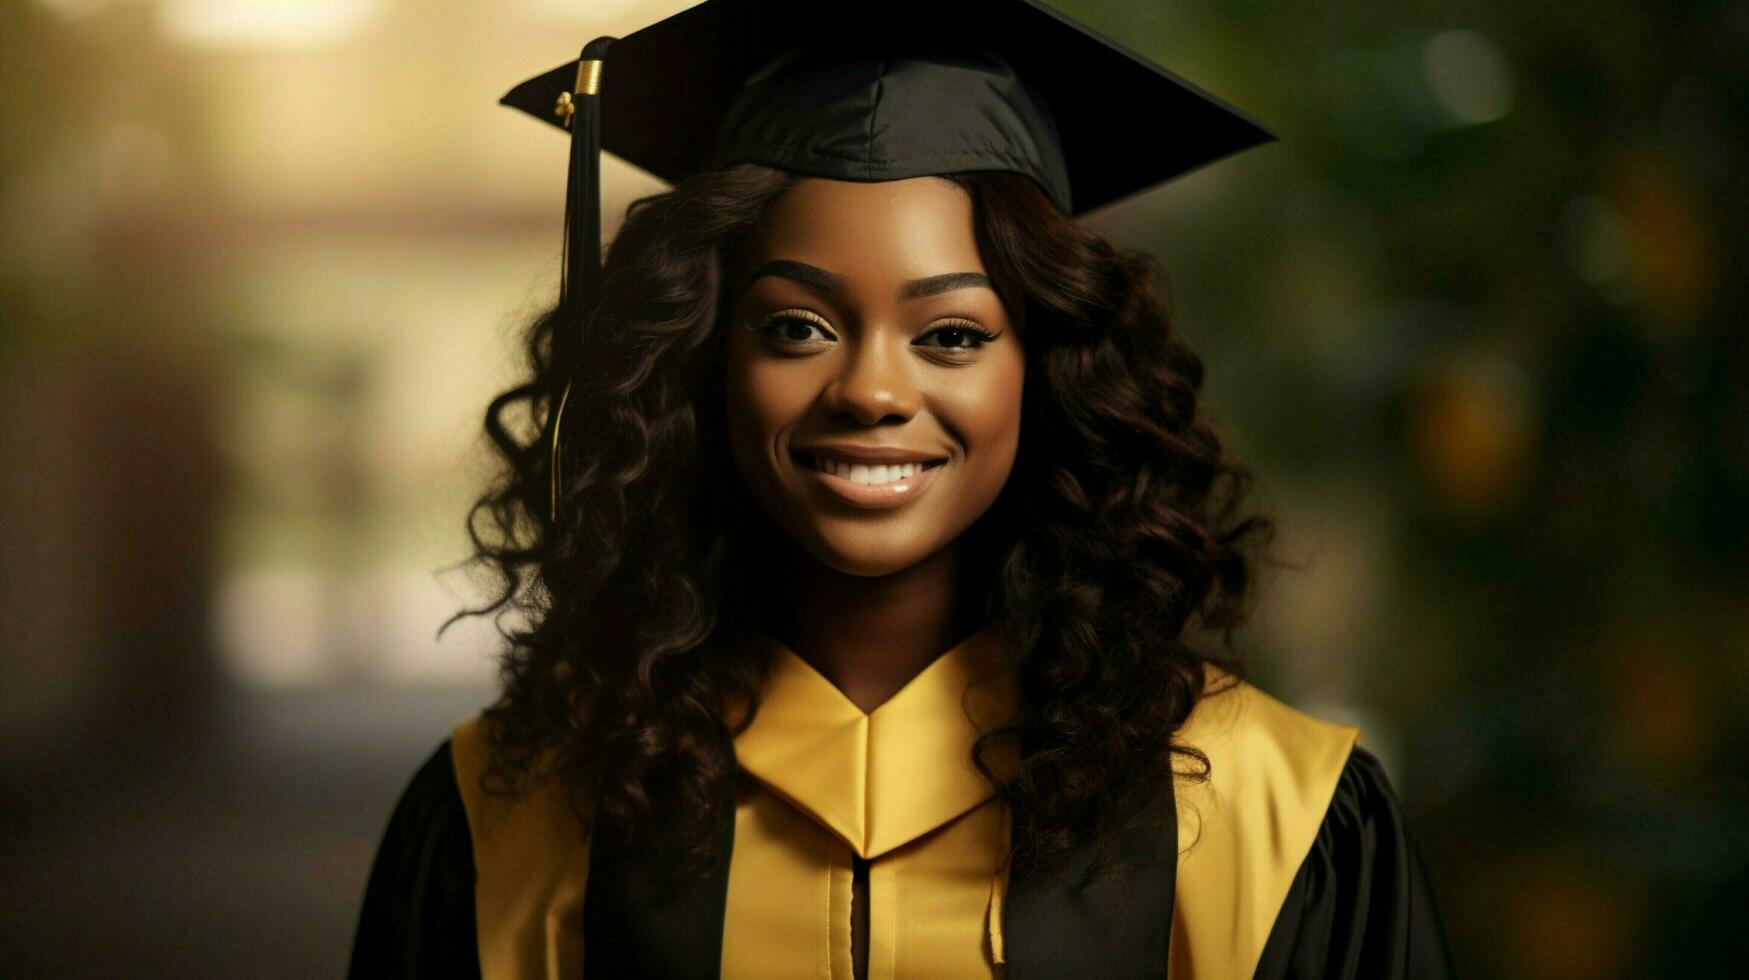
point(886, 349)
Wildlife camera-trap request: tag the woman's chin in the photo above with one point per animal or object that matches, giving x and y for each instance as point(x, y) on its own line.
point(868, 552)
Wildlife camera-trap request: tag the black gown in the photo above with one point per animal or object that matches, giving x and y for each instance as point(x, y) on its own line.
point(1359, 907)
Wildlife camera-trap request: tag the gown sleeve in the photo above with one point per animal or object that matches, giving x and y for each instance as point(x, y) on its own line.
point(1360, 904)
point(418, 914)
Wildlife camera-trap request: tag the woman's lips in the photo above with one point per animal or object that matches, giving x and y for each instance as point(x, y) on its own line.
point(876, 496)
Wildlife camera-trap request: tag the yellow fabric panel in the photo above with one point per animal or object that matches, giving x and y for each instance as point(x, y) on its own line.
point(840, 951)
point(781, 918)
point(1243, 835)
point(999, 890)
point(788, 912)
point(881, 779)
point(530, 863)
point(933, 902)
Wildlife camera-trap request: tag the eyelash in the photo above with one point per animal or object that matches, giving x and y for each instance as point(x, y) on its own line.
point(958, 324)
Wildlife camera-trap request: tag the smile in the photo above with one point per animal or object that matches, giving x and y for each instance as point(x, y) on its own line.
point(868, 474)
point(871, 486)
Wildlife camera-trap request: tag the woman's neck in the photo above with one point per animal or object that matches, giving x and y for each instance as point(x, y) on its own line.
point(870, 636)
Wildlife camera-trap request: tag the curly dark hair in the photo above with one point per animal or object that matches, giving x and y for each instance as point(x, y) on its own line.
point(1116, 540)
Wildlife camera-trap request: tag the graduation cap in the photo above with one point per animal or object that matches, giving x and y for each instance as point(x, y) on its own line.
point(903, 88)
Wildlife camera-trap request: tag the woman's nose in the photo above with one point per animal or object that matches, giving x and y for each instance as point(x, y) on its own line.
point(875, 381)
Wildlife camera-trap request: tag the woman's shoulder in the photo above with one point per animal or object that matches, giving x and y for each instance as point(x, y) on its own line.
point(1273, 771)
point(455, 799)
point(510, 824)
point(531, 859)
point(1245, 830)
point(1361, 903)
point(417, 915)
point(1295, 859)
point(474, 875)
point(1261, 749)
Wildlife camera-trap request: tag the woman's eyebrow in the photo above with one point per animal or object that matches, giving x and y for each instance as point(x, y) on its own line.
point(819, 279)
point(945, 283)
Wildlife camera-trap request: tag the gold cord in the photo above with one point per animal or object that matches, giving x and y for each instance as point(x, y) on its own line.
point(558, 416)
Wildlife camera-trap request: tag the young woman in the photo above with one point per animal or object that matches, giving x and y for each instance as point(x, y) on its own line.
point(874, 594)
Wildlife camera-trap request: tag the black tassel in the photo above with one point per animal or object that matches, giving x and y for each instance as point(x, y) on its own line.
point(582, 253)
point(580, 278)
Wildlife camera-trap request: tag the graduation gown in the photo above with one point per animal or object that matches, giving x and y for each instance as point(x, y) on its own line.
point(1291, 861)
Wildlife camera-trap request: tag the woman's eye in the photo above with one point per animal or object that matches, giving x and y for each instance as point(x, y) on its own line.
point(790, 328)
point(794, 328)
point(961, 336)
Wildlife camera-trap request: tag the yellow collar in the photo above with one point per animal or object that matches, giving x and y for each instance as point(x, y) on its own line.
point(881, 779)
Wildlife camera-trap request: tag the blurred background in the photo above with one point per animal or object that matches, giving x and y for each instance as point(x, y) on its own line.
point(1476, 322)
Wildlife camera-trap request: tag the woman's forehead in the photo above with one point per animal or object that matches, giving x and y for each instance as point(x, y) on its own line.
point(896, 228)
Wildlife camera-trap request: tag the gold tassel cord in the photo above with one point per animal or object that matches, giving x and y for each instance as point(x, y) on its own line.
point(558, 416)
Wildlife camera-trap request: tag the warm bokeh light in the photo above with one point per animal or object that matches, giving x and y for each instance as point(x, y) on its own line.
point(267, 23)
point(1474, 432)
point(1469, 75)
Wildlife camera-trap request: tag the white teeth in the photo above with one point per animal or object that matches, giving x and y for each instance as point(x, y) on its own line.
point(864, 473)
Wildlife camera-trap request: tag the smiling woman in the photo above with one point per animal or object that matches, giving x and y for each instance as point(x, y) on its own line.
point(870, 631)
point(872, 334)
point(842, 364)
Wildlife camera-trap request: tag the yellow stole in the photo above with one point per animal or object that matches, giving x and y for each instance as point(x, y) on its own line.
point(875, 783)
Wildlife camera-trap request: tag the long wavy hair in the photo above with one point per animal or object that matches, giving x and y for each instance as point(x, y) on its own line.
point(1117, 544)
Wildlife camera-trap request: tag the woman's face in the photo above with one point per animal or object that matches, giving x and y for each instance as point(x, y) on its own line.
point(862, 321)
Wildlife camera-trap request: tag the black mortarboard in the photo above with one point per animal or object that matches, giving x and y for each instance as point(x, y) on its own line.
point(904, 88)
